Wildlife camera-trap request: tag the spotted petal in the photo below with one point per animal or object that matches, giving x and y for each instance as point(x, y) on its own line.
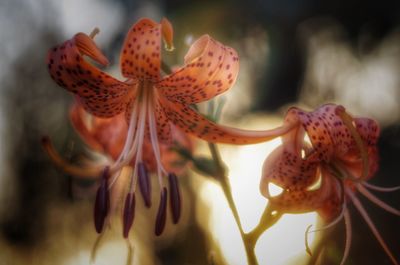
point(194, 123)
point(288, 171)
point(210, 69)
point(141, 54)
point(327, 133)
point(368, 130)
point(100, 94)
point(297, 178)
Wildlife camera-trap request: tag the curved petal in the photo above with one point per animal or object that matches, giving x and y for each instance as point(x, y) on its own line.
point(334, 201)
point(194, 123)
point(210, 69)
point(368, 130)
point(141, 53)
point(300, 200)
point(288, 171)
point(79, 119)
point(100, 94)
point(328, 134)
point(106, 135)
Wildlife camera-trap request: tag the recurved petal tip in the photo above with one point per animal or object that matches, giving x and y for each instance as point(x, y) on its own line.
point(88, 47)
point(162, 213)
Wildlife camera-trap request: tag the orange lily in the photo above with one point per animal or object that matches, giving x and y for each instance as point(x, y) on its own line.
point(152, 104)
point(106, 136)
point(324, 174)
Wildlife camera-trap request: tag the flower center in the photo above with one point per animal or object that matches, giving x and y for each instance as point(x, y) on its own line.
point(142, 116)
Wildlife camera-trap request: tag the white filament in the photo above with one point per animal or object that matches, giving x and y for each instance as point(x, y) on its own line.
point(371, 225)
point(377, 201)
point(347, 244)
point(334, 222)
point(139, 139)
point(131, 130)
point(381, 189)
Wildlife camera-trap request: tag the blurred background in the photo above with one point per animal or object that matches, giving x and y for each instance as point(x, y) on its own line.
point(304, 53)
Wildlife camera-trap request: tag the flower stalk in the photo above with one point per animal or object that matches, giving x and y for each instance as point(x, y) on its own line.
point(268, 219)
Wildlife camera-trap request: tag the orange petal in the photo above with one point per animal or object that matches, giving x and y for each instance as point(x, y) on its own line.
point(327, 133)
point(101, 94)
point(194, 123)
point(106, 135)
point(368, 130)
point(348, 121)
point(79, 117)
point(141, 54)
point(172, 161)
point(302, 201)
point(288, 171)
point(210, 69)
point(162, 122)
point(333, 203)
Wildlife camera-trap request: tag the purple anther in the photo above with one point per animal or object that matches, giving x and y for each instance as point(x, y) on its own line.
point(162, 213)
point(129, 213)
point(174, 197)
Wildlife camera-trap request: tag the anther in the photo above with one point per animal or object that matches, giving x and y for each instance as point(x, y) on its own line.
point(102, 203)
point(162, 213)
point(129, 213)
point(175, 197)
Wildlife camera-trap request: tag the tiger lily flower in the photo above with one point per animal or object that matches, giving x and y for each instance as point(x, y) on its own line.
point(150, 102)
point(325, 173)
point(106, 137)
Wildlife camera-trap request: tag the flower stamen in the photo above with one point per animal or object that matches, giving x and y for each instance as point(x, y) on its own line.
point(371, 225)
point(381, 189)
point(377, 201)
point(131, 132)
point(348, 236)
point(139, 137)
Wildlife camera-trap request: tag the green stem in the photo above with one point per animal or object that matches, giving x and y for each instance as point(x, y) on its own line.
point(224, 182)
point(268, 219)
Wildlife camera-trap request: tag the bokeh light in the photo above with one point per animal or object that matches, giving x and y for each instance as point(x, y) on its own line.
point(283, 243)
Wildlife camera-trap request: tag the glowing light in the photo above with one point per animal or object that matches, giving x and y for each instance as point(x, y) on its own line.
point(281, 244)
point(274, 190)
point(316, 185)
